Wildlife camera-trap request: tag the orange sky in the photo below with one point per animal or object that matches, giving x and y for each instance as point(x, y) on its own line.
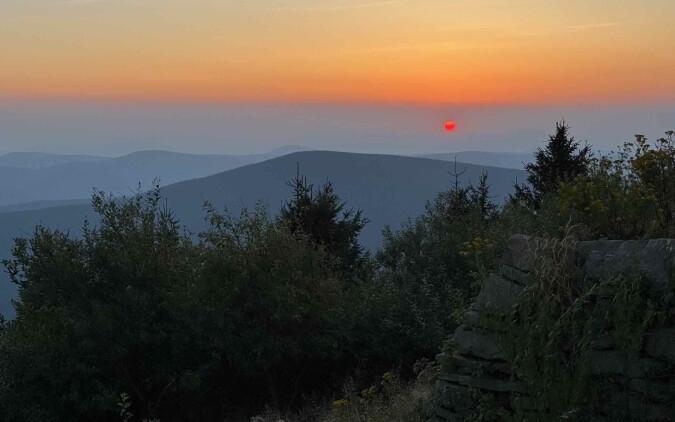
point(460, 51)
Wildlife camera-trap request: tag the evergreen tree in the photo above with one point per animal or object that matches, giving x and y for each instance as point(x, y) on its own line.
point(320, 216)
point(480, 197)
point(561, 160)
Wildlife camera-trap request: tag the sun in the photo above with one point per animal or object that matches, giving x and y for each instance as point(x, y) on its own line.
point(449, 126)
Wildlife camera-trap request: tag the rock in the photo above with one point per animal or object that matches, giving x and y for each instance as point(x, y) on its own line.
point(445, 415)
point(480, 367)
point(515, 275)
point(486, 384)
point(477, 343)
point(520, 252)
point(497, 295)
point(451, 395)
point(661, 344)
point(651, 259)
point(473, 319)
point(630, 385)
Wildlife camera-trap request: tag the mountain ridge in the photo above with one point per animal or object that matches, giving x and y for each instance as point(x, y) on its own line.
point(388, 188)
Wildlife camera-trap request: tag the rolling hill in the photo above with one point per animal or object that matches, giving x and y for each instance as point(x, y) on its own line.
point(36, 160)
point(72, 180)
point(389, 189)
point(515, 160)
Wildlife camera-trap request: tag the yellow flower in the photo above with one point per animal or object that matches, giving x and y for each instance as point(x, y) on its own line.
point(368, 392)
point(340, 403)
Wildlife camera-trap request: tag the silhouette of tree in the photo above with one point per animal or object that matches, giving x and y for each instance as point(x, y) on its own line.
point(561, 160)
point(321, 217)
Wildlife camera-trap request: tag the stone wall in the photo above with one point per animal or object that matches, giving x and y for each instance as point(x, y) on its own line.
point(630, 385)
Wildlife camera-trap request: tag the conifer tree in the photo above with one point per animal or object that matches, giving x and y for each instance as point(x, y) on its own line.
point(321, 217)
point(561, 160)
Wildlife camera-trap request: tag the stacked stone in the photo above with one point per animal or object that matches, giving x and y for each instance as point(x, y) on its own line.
point(634, 386)
point(478, 363)
point(630, 386)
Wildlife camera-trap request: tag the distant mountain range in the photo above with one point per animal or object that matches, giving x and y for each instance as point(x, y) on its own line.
point(32, 178)
point(389, 189)
point(36, 160)
point(38, 180)
point(515, 160)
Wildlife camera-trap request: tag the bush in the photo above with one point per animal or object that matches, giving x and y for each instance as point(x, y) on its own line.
point(185, 329)
point(627, 195)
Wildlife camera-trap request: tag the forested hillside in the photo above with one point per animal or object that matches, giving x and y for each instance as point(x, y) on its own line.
point(389, 189)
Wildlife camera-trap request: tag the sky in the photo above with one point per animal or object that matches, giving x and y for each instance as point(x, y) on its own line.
point(395, 65)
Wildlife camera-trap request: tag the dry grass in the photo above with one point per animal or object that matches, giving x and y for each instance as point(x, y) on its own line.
point(390, 400)
point(557, 272)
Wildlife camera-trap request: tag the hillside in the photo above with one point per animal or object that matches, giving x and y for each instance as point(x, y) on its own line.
point(24, 183)
point(35, 160)
point(515, 160)
point(388, 188)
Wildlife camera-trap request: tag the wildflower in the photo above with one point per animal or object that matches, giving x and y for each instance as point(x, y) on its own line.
point(340, 403)
point(368, 392)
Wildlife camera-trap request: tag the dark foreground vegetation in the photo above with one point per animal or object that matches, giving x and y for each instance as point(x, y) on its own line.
point(137, 320)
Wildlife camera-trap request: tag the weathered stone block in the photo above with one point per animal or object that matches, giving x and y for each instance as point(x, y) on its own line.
point(497, 295)
point(445, 415)
point(515, 275)
point(652, 259)
point(477, 343)
point(451, 395)
point(472, 318)
point(486, 384)
point(520, 252)
point(475, 366)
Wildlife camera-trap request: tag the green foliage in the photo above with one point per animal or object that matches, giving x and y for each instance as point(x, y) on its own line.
point(422, 271)
point(319, 216)
point(562, 159)
point(251, 313)
point(632, 313)
point(627, 195)
point(547, 338)
point(136, 306)
point(486, 408)
point(392, 399)
point(92, 315)
point(548, 334)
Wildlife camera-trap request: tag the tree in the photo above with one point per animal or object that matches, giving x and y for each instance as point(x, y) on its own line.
point(563, 159)
point(425, 279)
point(249, 315)
point(320, 216)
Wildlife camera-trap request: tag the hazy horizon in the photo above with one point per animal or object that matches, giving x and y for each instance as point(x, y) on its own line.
point(115, 128)
point(111, 77)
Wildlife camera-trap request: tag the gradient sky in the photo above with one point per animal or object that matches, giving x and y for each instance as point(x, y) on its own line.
point(457, 51)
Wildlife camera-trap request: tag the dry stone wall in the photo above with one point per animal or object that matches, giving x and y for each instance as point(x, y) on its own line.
point(630, 386)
